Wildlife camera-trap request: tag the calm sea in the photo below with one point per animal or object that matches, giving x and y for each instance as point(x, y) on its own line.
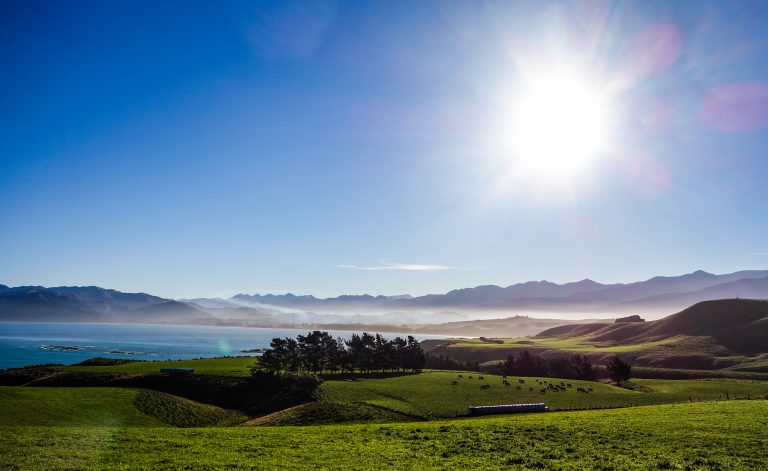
point(32, 343)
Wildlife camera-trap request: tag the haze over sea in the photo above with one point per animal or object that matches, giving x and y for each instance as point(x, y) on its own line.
point(32, 343)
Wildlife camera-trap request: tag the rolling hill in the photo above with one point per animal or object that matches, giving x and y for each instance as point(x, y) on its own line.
point(741, 325)
point(720, 337)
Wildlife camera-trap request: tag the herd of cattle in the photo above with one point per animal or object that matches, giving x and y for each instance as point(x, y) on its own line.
point(543, 385)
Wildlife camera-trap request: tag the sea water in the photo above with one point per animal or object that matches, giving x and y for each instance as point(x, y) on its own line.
point(33, 343)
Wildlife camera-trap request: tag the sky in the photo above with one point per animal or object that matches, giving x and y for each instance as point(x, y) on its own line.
point(187, 148)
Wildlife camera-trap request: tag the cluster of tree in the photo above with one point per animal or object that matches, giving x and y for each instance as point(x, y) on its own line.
point(440, 362)
point(528, 364)
point(572, 367)
point(319, 352)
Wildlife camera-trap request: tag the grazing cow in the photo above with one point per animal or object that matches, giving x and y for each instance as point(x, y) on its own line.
point(469, 377)
point(521, 381)
point(454, 382)
point(480, 378)
point(461, 376)
point(485, 386)
point(519, 388)
point(530, 389)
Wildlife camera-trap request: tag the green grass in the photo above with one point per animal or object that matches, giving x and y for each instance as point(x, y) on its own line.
point(431, 394)
point(755, 366)
point(73, 406)
point(571, 345)
point(224, 366)
point(183, 412)
point(324, 412)
point(106, 407)
point(722, 435)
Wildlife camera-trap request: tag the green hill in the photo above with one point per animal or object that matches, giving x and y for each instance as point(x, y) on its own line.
point(721, 335)
point(433, 394)
point(102, 407)
point(223, 366)
point(738, 324)
point(106, 407)
point(723, 435)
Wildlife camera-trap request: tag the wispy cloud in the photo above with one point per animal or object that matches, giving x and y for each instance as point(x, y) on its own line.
point(399, 266)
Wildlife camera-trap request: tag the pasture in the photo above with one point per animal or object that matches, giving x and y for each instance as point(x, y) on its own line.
point(222, 366)
point(715, 435)
point(96, 407)
point(106, 407)
point(435, 394)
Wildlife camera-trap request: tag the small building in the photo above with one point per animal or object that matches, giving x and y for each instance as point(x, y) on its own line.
point(178, 371)
point(508, 409)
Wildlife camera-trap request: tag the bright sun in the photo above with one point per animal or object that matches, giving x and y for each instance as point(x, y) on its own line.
point(560, 123)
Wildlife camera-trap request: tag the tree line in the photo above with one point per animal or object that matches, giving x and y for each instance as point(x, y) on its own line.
point(572, 367)
point(319, 352)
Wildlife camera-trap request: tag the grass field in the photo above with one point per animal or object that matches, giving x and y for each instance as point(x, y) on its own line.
point(226, 366)
point(431, 394)
point(106, 407)
point(677, 356)
point(573, 345)
point(716, 435)
point(98, 407)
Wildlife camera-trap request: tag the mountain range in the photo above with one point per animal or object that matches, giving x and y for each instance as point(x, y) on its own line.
point(656, 296)
point(455, 310)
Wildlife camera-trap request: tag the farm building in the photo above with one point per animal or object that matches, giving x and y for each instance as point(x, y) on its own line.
point(508, 409)
point(178, 371)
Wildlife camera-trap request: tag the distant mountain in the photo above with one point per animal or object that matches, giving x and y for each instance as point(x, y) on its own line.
point(652, 298)
point(754, 288)
point(38, 305)
point(89, 304)
point(660, 294)
point(168, 312)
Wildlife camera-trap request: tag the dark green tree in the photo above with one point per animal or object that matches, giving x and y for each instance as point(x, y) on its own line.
point(618, 370)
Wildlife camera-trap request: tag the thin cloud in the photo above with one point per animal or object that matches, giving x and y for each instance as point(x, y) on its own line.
point(399, 266)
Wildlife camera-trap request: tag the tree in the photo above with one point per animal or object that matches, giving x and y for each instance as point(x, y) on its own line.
point(319, 352)
point(583, 368)
point(414, 358)
point(618, 370)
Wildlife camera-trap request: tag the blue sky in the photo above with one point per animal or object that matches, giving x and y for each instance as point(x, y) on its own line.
point(206, 148)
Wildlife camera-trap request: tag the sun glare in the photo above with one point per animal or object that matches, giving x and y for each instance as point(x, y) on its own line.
point(560, 123)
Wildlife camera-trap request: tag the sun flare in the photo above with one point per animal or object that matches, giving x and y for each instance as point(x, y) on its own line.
point(560, 123)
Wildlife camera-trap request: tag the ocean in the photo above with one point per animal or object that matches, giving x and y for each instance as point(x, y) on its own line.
point(33, 343)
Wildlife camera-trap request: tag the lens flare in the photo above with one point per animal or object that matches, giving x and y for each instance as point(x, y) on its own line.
point(560, 123)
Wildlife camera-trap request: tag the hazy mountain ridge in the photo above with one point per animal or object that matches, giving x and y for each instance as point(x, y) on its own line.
point(663, 293)
point(89, 304)
point(468, 311)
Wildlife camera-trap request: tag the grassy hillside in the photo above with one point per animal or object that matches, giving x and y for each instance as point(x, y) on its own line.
point(182, 412)
point(225, 366)
point(95, 407)
point(724, 435)
point(106, 407)
point(324, 412)
point(712, 335)
point(432, 394)
point(738, 324)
